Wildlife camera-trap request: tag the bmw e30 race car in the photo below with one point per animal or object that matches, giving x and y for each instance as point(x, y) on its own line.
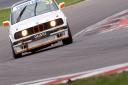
point(37, 23)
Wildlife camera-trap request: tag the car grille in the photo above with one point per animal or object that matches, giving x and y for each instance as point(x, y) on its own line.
point(38, 28)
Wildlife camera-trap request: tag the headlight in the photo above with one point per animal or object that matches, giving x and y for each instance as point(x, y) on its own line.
point(53, 23)
point(24, 33)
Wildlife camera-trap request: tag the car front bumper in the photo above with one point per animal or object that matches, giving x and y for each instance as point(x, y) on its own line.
point(31, 44)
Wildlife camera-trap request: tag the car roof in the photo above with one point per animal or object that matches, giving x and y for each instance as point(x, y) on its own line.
point(20, 2)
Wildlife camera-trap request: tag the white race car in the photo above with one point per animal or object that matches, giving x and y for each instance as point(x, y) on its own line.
point(35, 24)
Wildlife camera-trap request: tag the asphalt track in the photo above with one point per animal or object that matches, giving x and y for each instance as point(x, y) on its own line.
point(87, 52)
point(7, 3)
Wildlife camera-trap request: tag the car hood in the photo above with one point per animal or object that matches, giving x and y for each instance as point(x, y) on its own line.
point(22, 25)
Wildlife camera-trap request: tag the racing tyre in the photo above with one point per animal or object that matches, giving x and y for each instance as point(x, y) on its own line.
point(14, 54)
point(68, 40)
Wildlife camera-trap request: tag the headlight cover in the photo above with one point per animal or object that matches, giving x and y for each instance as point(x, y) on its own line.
point(24, 33)
point(53, 23)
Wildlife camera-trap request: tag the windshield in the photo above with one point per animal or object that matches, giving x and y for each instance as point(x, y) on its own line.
point(32, 8)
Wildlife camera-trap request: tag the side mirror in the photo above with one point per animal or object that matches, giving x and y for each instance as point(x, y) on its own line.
point(61, 5)
point(6, 23)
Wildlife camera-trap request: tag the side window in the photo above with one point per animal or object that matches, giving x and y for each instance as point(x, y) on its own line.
point(11, 19)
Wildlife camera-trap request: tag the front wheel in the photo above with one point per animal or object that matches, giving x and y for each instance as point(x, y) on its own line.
point(14, 54)
point(68, 40)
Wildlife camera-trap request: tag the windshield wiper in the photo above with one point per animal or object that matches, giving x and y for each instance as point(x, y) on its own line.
point(21, 13)
point(35, 9)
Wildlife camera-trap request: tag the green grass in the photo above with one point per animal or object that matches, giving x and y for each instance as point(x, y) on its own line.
point(4, 15)
point(115, 79)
